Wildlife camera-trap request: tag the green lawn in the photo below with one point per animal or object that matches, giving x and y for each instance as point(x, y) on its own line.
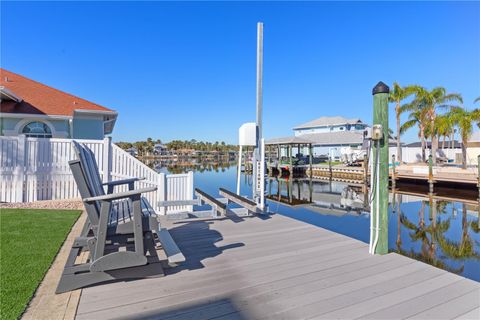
point(29, 241)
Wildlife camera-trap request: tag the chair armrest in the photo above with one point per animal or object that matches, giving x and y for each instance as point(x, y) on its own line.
point(120, 195)
point(123, 181)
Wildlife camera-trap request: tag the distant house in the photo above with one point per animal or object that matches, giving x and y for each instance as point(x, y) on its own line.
point(160, 149)
point(330, 124)
point(473, 148)
point(37, 110)
point(132, 151)
point(328, 135)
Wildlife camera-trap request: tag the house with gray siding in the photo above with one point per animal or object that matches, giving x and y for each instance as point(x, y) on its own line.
point(329, 135)
point(37, 110)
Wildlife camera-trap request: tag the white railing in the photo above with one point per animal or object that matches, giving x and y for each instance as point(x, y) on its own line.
point(33, 169)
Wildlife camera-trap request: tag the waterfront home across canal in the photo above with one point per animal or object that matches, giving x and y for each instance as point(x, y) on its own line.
point(329, 134)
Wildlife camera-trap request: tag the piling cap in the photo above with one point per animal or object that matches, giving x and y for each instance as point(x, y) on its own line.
point(380, 88)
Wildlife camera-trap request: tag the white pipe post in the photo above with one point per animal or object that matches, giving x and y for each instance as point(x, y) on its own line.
point(258, 149)
point(259, 79)
point(262, 175)
point(239, 173)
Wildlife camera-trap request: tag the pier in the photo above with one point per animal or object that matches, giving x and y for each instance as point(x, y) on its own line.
point(248, 269)
point(418, 173)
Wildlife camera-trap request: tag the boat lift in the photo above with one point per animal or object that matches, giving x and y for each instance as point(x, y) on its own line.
point(250, 134)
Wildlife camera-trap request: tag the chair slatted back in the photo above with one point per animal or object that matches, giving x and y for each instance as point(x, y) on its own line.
point(85, 192)
point(90, 179)
point(94, 172)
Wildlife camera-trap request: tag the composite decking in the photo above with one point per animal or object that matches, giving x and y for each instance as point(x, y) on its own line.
point(281, 268)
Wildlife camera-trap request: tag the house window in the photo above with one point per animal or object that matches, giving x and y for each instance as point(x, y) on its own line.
point(37, 129)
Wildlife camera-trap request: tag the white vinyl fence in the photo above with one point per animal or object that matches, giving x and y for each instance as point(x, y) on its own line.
point(414, 154)
point(33, 169)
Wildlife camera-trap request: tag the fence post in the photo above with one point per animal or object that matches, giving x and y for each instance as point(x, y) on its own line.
point(107, 159)
point(161, 191)
point(190, 189)
point(20, 168)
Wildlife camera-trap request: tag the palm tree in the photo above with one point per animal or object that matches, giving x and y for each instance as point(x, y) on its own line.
point(417, 117)
point(436, 98)
point(465, 248)
point(444, 126)
point(464, 120)
point(397, 95)
point(476, 100)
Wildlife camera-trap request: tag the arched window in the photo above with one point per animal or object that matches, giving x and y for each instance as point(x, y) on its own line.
point(37, 129)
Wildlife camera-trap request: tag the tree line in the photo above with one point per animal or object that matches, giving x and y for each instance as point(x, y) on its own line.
point(436, 114)
point(147, 147)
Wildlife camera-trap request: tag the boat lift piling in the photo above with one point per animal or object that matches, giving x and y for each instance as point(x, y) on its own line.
point(250, 134)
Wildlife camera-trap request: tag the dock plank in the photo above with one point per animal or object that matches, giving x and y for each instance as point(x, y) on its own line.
point(281, 268)
point(430, 300)
point(455, 308)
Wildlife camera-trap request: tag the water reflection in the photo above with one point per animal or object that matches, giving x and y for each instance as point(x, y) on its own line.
point(427, 227)
point(440, 229)
point(324, 197)
point(184, 165)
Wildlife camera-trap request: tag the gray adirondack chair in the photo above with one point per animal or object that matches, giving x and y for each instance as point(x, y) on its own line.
point(120, 217)
point(122, 234)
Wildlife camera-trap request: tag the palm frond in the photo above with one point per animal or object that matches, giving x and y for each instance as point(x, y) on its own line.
point(452, 97)
point(407, 125)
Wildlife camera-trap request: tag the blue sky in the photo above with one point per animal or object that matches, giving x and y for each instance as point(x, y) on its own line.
point(187, 70)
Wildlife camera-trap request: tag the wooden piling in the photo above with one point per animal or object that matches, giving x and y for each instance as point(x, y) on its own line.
point(310, 160)
point(365, 172)
point(380, 117)
point(290, 159)
point(478, 178)
point(430, 173)
point(394, 182)
point(330, 166)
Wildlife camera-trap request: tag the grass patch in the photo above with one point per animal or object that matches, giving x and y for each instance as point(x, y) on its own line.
point(29, 241)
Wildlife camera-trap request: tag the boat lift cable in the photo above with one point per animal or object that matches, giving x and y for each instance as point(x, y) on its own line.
point(374, 181)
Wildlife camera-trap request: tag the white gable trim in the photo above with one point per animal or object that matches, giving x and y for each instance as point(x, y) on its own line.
point(34, 116)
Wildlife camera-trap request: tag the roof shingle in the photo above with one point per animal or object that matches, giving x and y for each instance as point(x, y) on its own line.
point(327, 121)
point(38, 98)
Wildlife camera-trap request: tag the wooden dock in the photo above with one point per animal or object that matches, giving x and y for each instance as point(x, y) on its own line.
point(281, 268)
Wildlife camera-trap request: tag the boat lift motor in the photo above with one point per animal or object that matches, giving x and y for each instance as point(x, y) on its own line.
point(248, 137)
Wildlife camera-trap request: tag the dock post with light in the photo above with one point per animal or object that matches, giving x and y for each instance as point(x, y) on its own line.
point(379, 171)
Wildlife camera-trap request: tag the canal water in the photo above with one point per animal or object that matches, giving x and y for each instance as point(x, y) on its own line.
point(435, 230)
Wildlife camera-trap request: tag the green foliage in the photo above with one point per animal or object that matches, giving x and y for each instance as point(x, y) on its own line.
point(29, 242)
point(399, 93)
point(464, 120)
point(124, 145)
point(200, 145)
point(147, 146)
